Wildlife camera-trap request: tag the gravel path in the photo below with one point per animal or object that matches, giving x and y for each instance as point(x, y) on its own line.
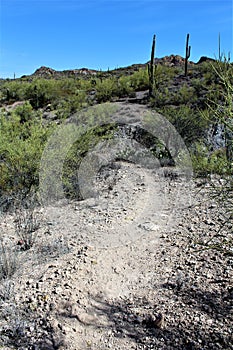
point(123, 270)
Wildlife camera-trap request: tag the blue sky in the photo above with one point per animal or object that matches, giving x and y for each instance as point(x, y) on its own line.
point(102, 34)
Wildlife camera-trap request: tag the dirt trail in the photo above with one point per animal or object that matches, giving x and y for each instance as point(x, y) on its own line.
point(122, 228)
point(120, 271)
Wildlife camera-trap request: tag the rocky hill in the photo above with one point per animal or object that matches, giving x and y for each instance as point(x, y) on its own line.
point(169, 61)
point(46, 72)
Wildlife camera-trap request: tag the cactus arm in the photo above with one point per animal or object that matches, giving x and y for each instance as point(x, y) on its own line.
point(187, 55)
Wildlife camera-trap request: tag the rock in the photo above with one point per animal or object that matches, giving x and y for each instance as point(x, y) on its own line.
point(149, 226)
point(204, 59)
point(44, 72)
point(172, 60)
point(50, 116)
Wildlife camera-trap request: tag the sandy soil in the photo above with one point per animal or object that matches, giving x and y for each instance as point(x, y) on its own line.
point(123, 270)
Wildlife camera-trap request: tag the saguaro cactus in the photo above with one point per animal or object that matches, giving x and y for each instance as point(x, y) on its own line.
point(220, 55)
point(187, 55)
point(151, 68)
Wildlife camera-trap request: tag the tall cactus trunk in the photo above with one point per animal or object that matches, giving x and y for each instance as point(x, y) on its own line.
point(187, 55)
point(219, 48)
point(151, 68)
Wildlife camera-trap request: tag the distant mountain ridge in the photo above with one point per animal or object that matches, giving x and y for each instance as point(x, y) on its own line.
point(170, 61)
point(49, 72)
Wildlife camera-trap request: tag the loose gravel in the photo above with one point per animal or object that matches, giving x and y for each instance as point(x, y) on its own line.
point(127, 269)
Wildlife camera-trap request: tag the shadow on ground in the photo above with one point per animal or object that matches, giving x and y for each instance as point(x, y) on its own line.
point(184, 328)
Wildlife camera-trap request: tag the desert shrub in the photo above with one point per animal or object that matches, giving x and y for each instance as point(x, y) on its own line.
point(124, 87)
point(221, 162)
point(66, 107)
point(7, 290)
point(185, 95)
point(163, 76)
point(222, 110)
point(8, 259)
point(24, 112)
point(206, 162)
point(197, 84)
point(210, 71)
point(77, 152)
point(42, 92)
point(27, 221)
point(110, 87)
point(106, 89)
point(27, 226)
point(20, 148)
point(194, 126)
point(190, 124)
point(161, 97)
point(12, 91)
point(68, 87)
point(139, 80)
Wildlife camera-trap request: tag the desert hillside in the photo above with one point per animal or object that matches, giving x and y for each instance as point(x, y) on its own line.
point(116, 208)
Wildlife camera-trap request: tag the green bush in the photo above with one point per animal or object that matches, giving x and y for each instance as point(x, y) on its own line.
point(66, 107)
point(24, 112)
point(106, 89)
point(205, 163)
point(190, 124)
point(124, 87)
point(12, 91)
point(161, 97)
point(139, 80)
point(185, 95)
point(77, 152)
point(20, 148)
point(23, 134)
point(41, 92)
